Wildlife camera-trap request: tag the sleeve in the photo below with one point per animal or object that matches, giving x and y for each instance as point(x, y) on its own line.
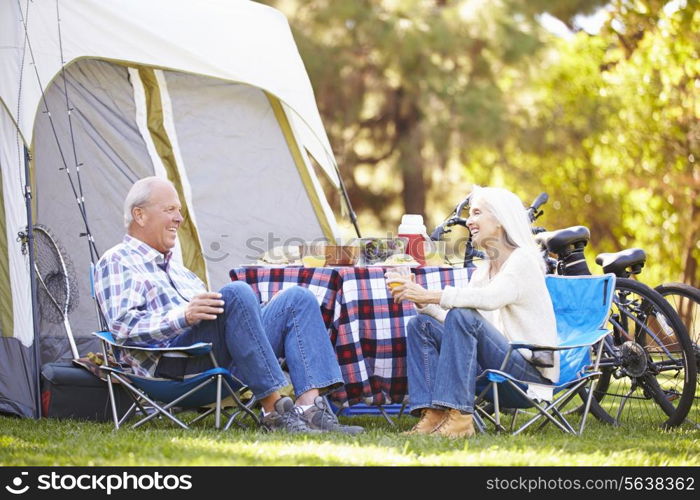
point(434, 311)
point(123, 298)
point(505, 288)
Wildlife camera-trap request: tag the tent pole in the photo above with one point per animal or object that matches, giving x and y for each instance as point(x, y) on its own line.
point(344, 191)
point(32, 281)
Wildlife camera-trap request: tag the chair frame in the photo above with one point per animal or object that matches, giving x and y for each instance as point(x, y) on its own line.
point(551, 412)
point(215, 375)
point(497, 377)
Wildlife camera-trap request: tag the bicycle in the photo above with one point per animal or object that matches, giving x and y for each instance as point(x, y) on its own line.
point(647, 373)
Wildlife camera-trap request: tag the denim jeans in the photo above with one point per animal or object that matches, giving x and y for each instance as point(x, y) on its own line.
point(250, 339)
point(445, 360)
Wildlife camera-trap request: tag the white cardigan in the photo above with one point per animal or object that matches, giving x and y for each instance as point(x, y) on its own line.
point(515, 301)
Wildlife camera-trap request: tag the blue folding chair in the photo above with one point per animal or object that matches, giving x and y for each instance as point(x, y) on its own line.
point(154, 396)
point(581, 308)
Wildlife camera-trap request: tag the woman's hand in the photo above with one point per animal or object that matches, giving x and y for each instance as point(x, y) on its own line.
point(406, 289)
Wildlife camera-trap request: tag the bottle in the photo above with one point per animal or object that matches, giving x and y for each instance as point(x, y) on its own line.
point(412, 227)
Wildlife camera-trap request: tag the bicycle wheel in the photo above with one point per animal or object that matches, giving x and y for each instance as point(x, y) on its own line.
point(685, 299)
point(648, 365)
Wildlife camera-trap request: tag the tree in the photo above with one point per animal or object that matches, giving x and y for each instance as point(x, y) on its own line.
point(407, 86)
point(611, 130)
point(655, 141)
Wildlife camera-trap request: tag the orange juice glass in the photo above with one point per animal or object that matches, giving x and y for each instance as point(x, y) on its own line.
point(401, 272)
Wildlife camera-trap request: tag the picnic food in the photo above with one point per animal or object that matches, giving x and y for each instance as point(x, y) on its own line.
point(400, 259)
point(280, 256)
point(313, 261)
point(376, 250)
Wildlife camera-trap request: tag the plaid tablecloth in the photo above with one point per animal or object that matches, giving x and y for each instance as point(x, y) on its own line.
point(367, 329)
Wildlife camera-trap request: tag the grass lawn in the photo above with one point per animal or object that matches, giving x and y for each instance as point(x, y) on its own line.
point(52, 442)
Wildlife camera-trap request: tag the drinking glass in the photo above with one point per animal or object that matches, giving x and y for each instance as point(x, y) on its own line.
point(401, 272)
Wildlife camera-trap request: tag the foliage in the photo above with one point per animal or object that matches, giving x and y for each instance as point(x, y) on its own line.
point(654, 141)
point(614, 135)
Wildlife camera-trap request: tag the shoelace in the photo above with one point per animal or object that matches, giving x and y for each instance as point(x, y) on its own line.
point(292, 418)
point(328, 416)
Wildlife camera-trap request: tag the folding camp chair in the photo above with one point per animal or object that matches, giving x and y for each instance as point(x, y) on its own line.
point(159, 396)
point(195, 391)
point(581, 307)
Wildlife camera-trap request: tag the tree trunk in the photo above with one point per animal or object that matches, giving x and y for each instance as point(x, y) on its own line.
point(410, 138)
point(414, 186)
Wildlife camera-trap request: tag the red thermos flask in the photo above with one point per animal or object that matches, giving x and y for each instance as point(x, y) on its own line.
point(412, 227)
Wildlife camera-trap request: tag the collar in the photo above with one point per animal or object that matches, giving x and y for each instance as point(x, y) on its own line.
point(147, 252)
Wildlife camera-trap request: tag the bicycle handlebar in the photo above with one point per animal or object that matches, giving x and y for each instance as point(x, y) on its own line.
point(460, 207)
point(437, 233)
point(534, 211)
point(541, 199)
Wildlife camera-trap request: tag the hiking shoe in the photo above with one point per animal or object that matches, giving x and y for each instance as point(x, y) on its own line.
point(320, 417)
point(286, 418)
point(430, 420)
point(456, 425)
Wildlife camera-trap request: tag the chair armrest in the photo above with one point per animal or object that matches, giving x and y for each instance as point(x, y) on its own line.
point(498, 376)
point(583, 339)
point(193, 350)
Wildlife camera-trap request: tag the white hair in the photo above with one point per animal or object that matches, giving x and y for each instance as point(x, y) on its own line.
point(512, 215)
point(138, 196)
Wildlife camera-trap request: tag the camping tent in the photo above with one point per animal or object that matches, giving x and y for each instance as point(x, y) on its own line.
point(211, 94)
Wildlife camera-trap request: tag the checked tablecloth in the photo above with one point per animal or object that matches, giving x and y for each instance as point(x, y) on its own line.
point(366, 328)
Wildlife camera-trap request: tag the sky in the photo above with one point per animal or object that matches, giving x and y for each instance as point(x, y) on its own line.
point(592, 23)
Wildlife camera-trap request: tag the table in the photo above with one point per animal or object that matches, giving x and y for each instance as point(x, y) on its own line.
point(366, 328)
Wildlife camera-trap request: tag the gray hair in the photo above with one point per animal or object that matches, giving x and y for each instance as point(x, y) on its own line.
point(138, 196)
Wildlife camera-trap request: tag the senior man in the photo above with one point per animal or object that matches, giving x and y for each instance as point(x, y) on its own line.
point(150, 299)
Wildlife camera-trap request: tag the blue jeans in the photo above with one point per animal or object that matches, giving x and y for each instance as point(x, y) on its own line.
point(445, 360)
point(250, 340)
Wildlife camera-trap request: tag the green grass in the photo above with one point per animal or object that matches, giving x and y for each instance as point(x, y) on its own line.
point(53, 442)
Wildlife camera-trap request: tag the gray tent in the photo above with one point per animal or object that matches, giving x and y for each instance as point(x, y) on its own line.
point(212, 95)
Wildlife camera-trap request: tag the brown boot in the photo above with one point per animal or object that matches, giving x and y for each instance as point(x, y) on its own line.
point(429, 421)
point(456, 425)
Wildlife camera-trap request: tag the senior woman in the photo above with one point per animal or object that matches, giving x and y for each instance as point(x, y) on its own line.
point(462, 331)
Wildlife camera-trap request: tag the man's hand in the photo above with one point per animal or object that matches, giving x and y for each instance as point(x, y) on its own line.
point(204, 306)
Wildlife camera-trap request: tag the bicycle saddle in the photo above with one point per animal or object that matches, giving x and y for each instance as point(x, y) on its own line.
point(558, 241)
point(618, 262)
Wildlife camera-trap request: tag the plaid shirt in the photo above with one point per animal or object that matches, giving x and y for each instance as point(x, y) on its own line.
point(143, 295)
